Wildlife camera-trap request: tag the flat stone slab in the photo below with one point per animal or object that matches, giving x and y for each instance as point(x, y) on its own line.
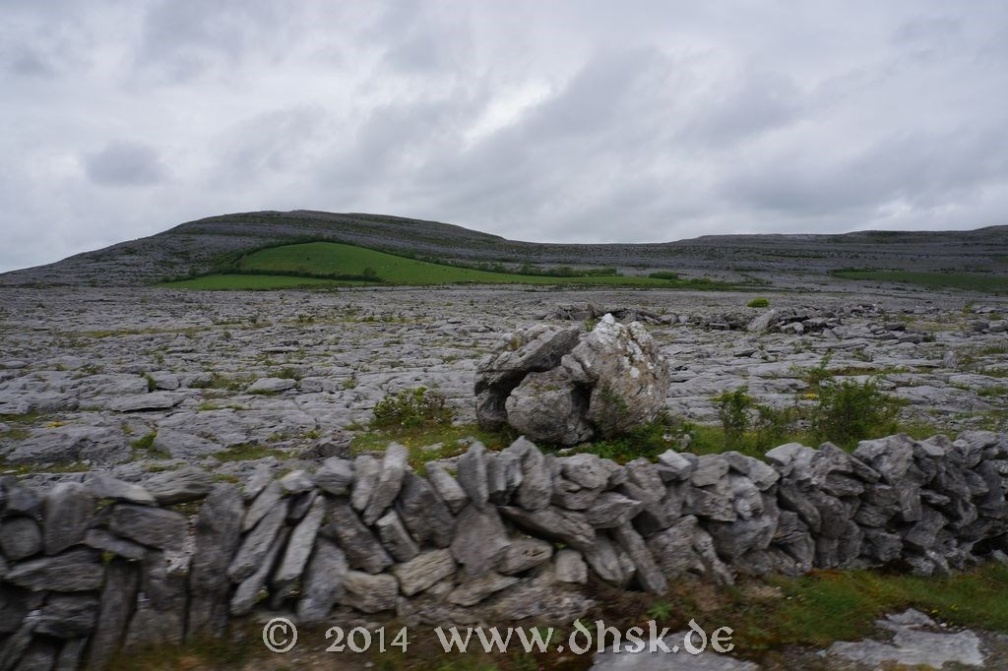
point(913, 644)
point(271, 385)
point(158, 400)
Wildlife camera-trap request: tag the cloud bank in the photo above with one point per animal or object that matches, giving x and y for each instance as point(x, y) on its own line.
point(646, 120)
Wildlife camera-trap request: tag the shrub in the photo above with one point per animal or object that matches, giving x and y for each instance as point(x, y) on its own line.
point(412, 408)
point(816, 376)
point(733, 411)
point(849, 412)
point(664, 275)
point(759, 303)
point(646, 440)
point(771, 426)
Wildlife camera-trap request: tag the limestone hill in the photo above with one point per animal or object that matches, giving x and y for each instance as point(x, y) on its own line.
point(201, 246)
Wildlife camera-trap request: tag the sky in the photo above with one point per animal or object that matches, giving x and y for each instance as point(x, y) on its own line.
point(539, 120)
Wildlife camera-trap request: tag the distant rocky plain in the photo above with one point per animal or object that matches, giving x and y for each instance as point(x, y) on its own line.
point(134, 379)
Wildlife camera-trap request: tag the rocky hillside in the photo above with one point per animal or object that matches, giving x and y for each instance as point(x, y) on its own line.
point(195, 247)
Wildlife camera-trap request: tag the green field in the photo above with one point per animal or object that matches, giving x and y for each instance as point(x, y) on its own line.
point(330, 263)
point(992, 284)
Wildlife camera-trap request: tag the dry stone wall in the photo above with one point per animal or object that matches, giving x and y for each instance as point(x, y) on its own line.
point(88, 568)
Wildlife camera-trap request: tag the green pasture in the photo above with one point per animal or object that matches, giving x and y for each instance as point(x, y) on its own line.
point(987, 283)
point(331, 263)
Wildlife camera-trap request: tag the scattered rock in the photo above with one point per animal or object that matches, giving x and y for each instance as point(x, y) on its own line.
point(271, 385)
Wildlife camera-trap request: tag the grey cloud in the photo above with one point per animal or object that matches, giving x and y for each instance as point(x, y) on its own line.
point(421, 53)
point(123, 163)
point(743, 107)
point(270, 144)
point(27, 63)
point(182, 40)
point(613, 92)
point(919, 169)
point(927, 29)
point(45, 39)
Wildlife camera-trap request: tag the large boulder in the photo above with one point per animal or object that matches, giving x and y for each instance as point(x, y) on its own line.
point(566, 386)
point(536, 349)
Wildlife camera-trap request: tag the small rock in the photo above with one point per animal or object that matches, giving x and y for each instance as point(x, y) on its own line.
point(297, 482)
point(447, 487)
point(480, 540)
point(271, 385)
point(77, 570)
point(369, 593)
point(423, 571)
point(474, 590)
point(68, 508)
point(20, 537)
point(335, 476)
point(524, 554)
point(389, 482)
point(569, 566)
point(104, 486)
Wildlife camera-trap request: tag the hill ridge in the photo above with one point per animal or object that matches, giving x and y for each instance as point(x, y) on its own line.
point(195, 247)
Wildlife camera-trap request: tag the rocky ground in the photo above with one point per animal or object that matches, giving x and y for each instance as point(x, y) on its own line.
point(86, 374)
point(138, 380)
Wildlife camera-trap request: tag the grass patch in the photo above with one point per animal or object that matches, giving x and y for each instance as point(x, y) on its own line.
point(648, 440)
point(986, 283)
point(331, 263)
point(27, 469)
point(759, 302)
point(205, 652)
point(209, 406)
point(831, 605)
point(250, 282)
point(411, 409)
point(16, 433)
point(145, 442)
point(218, 381)
point(248, 452)
point(429, 443)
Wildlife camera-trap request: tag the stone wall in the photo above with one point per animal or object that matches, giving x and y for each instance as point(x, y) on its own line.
point(89, 567)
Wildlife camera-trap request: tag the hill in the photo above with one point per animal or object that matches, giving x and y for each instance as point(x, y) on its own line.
point(200, 247)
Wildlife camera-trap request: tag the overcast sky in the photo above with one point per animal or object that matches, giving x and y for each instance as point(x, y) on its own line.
point(539, 120)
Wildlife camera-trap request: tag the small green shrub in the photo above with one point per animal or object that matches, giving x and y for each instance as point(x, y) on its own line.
point(145, 442)
point(647, 440)
point(816, 376)
point(289, 373)
point(771, 426)
point(664, 275)
point(660, 610)
point(733, 411)
point(849, 412)
point(759, 303)
point(412, 408)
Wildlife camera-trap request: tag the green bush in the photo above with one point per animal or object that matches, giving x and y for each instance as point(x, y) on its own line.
point(664, 275)
point(733, 411)
point(849, 412)
point(771, 426)
point(816, 376)
point(759, 303)
point(412, 408)
point(646, 440)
